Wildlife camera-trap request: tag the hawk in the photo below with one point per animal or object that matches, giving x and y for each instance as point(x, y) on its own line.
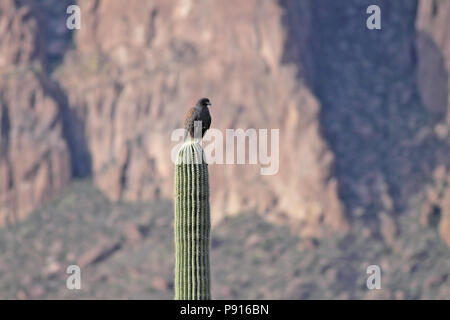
point(198, 113)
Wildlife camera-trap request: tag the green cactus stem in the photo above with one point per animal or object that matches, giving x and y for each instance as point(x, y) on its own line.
point(192, 224)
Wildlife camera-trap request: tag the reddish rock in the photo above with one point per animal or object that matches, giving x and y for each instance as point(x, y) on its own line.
point(433, 48)
point(444, 225)
point(159, 283)
point(137, 69)
point(388, 229)
point(34, 159)
point(131, 233)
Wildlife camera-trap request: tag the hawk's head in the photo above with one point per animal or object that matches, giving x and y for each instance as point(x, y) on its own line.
point(203, 102)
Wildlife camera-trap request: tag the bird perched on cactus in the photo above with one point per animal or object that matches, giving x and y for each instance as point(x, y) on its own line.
point(198, 115)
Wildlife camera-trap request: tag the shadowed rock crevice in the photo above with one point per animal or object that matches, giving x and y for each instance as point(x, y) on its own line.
point(52, 18)
point(123, 171)
point(5, 127)
point(372, 113)
point(73, 131)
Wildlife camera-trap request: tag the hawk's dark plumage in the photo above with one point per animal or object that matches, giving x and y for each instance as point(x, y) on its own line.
point(198, 113)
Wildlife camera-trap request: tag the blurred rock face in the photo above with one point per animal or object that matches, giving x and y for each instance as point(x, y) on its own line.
point(354, 122)
point(137, 70)
point(433, 47)
point(34, 159)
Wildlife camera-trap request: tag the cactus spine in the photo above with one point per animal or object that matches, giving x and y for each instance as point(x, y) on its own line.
point(192, 224)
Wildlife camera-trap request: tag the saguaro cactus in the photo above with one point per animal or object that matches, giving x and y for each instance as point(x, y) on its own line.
point(192, 224)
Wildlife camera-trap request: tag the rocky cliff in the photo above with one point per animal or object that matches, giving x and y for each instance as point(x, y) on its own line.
point(135, 72)
point(363, 114)
point(34, 158)
point(433, 69)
